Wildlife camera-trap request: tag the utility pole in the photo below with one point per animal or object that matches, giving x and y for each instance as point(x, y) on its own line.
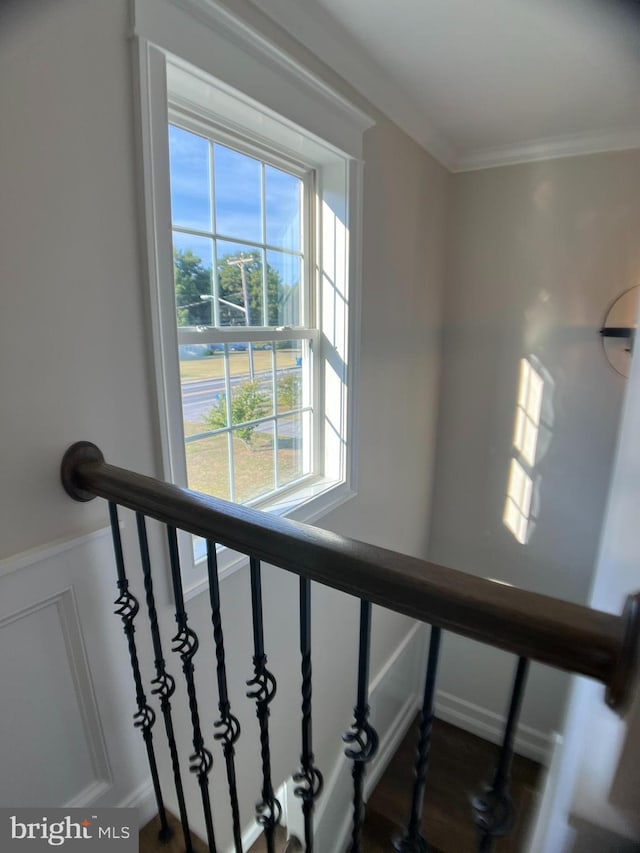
point(241, 262)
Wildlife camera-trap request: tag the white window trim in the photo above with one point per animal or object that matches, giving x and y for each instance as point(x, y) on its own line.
point(288, 94)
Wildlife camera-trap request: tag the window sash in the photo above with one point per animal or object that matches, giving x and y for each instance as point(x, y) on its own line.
point(216, 132)
point(309, 295)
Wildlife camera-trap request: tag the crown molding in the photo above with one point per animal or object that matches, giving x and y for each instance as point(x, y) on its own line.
point(548, 149)
point(263, 26)
point(309, 24)
point(319, 33)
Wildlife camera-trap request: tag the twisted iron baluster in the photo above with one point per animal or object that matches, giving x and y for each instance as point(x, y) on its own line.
point(494, 807)
point(363, 738)
point(164, 684)
point(228, 725)
point(308, 775)
point(186, 645)
point(127, 608)
point(268, 811)
point(413, 841)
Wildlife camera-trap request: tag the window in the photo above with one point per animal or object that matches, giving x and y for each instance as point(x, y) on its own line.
point(252, 170)
point(245, 314)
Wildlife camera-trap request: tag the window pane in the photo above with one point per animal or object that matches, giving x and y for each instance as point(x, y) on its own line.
point(190, 179)
point(283, 201)
point(253, 463)
point(289, 376)
point(239, 277)
point(192, 258)
point(284, 275)
point(251, 390)
point(289, 356)
point(238, 195)
point(291, 456)
point(203, 388)
point(208, 466)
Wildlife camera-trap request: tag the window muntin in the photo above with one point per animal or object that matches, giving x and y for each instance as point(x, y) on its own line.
point(241, 274)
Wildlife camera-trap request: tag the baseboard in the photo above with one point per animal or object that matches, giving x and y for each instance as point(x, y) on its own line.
point(390, 744)
point(477, 720)
point(89, 795)
point(335, 807)
point(144, 800)
point(387, 749)
point(253, 830)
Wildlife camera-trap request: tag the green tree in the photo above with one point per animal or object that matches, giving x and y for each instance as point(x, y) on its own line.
point(192, 280)
point(289, 392)
point(230, 289)
point(248, 403)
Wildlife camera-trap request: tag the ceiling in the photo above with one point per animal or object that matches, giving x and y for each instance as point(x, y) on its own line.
point(485, 83)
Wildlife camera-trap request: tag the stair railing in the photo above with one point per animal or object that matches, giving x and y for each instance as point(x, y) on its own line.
point(561, 634)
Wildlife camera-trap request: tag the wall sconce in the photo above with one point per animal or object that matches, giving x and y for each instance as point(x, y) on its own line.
point(619, 330)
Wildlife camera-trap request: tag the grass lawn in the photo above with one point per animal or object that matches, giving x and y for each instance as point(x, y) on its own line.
point(212, 366)
point(208, 465)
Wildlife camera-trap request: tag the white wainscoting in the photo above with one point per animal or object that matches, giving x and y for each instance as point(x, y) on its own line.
point(67, 695)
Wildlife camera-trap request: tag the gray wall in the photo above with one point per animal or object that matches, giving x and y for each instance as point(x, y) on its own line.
point(74, 340)
point(593, 798)
point(535, 255)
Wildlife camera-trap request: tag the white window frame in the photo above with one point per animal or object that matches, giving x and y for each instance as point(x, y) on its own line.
point(221, 73)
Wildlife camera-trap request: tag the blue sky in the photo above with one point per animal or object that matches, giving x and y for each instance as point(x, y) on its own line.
point(238, 202)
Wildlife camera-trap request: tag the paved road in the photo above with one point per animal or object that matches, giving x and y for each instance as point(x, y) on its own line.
point(199, 395)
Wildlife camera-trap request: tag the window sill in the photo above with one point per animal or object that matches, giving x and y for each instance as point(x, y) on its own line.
point(308, 503)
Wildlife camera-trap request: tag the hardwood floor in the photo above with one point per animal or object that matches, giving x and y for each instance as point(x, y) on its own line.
point(261, 847)
point(149, 843)
point(148, 840)
point(460, 764)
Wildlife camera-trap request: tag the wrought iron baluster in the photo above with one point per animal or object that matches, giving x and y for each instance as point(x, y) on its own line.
point(186, 645)
point(363, 738)
point(493, 809)
point(228, 725)
point(413, 841)
point(163, 684)
point(309, 777)
point(268, 810)
point(127, 608)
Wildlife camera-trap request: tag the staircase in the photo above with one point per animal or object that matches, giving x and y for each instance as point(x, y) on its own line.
point(458, 765)
point(458, 769)
point(530, 626)
point(150, 842)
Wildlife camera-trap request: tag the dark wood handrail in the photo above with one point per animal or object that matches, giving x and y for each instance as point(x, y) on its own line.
point(565, 635)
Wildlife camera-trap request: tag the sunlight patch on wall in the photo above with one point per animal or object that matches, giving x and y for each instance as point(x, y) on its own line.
point(526, 430)
point(518, 504)
point(527, 423)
